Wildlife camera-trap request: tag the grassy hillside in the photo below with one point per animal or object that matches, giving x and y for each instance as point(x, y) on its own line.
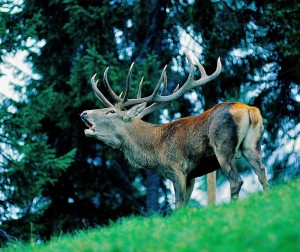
point(264, 222)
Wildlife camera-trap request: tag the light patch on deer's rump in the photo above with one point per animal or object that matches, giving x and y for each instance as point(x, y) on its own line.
point(242, 120)
point(252, 137)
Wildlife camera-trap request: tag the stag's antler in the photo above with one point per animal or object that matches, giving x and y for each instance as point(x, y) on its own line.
point(98, 94)
point(107, 86)
point(157, 99)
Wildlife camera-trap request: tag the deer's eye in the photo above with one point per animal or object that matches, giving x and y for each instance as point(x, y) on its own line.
point(111, 112)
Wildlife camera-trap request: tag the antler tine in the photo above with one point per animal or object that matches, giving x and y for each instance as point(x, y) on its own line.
point(126, 93)
point(155, 106)
point(99, 95)
point(179, 91)
point(165, 82)
point(108, 88)
point(160, 81)
point(200, 67)
point(139, 94)
point(207, 78)
point(176, 89)
point(129, 102)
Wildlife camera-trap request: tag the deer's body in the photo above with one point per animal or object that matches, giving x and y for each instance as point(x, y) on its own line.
point(186, 148)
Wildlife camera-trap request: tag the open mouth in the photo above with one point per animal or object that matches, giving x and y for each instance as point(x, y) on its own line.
point(89, 124)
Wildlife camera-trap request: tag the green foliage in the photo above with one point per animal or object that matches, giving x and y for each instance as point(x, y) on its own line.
point(28, 164)
point(263, 222)
point(282, 21)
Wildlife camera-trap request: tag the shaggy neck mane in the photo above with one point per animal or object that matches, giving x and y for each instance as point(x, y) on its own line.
point(139, 146)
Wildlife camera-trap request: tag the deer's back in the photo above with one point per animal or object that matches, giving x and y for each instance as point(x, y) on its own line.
point(191, 139)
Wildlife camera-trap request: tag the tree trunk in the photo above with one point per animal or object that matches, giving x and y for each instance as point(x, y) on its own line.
point(153, 181)
point(211, 188)
point(150, 41)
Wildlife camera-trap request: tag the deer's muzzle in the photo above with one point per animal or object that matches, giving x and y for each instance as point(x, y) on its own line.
point(83, 117)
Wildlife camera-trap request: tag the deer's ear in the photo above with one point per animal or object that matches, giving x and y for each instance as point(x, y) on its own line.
point(135, 111)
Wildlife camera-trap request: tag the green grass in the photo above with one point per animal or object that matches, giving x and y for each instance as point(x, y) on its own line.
point(267, 221)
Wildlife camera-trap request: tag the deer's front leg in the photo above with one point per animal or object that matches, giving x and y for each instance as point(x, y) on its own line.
point(179, 183)
point(189, 189)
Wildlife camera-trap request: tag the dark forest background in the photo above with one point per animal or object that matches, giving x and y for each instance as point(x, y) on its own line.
point(53, 179)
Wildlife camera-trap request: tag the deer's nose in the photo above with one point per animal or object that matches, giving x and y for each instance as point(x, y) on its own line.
point(83, 115)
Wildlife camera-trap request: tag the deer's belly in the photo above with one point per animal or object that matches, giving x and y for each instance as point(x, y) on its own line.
point(203, 166)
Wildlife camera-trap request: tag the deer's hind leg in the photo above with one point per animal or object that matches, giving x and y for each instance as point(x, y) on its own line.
point(251, 151)
point(225, 145)
point(230, 171)
point(226, 129)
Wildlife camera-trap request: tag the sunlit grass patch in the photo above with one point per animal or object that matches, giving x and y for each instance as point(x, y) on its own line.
point(267, 221)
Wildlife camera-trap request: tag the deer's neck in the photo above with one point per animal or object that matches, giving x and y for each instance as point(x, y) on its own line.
point(140, 143)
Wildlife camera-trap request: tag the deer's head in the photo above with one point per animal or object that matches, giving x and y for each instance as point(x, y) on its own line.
point(109, 124)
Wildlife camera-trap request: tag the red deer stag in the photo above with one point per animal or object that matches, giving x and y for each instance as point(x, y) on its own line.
point(183, 149)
